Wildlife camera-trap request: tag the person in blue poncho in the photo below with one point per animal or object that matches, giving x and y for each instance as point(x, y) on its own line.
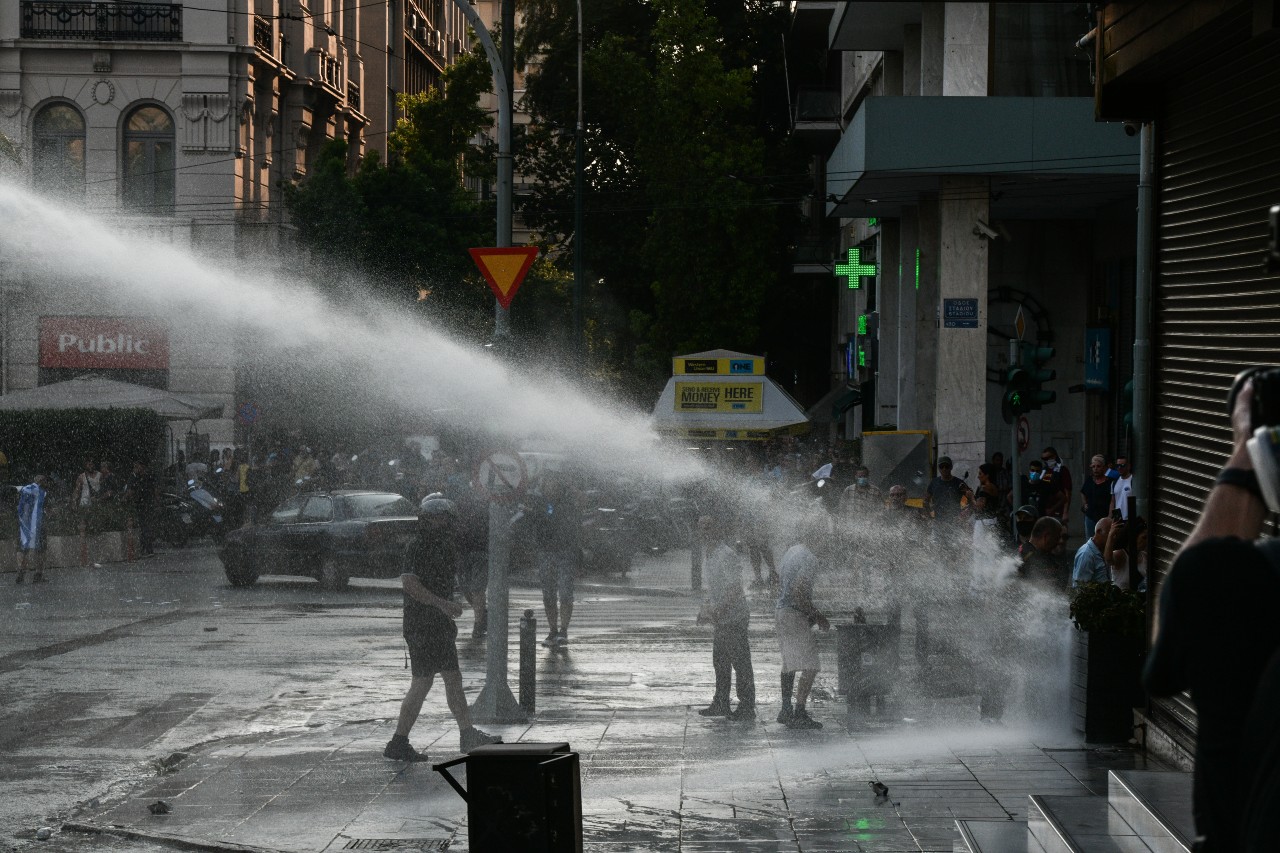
point(31, 532)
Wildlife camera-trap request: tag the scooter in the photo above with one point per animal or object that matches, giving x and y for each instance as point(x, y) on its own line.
point(197, 513)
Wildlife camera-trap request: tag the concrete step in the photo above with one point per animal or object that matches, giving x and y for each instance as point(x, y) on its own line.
point(1156, 803)
point(995, 836)
point(1088, 825)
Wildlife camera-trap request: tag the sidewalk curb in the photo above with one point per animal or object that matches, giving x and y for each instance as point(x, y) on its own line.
point(177, 841)
point(616, 589)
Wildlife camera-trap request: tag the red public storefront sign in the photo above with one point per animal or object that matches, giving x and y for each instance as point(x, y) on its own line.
point(103, 342)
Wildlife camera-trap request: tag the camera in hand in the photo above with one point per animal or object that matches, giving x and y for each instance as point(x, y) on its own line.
point(1264, 424)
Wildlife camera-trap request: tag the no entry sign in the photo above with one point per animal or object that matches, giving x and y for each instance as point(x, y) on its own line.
point(502, 476)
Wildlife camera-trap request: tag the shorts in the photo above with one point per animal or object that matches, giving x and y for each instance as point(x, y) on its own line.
point(557, 571)
point(431, 654)
point(799, 645)
point(473, 572)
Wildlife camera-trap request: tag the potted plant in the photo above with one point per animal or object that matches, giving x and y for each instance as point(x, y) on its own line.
point(1106, 660)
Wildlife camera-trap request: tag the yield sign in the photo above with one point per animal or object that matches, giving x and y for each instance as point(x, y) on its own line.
point(504, 269)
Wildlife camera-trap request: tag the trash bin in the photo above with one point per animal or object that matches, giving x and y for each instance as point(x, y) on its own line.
point(866, 661)
point(521, 796)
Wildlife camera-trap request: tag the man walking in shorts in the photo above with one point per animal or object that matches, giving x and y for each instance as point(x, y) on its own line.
point(796, 616)
point(430, 565)
point(558, 525)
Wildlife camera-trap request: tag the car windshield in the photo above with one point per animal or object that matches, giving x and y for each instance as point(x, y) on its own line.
point(378, 506)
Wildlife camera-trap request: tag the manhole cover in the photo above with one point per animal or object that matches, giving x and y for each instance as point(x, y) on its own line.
point(396, 844)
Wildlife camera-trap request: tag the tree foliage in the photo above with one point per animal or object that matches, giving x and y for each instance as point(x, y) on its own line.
point(685, 120)
point(405, 225)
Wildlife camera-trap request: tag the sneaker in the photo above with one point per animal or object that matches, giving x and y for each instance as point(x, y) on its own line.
point(550, 641)
point(743, 712)
point(800, 719)
point(785, 715)
point(562, 639)
point(473, 737)
point(715, 710)
point(399, 749)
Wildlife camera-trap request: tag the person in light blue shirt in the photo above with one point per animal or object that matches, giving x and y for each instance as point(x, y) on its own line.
point(1090, 565)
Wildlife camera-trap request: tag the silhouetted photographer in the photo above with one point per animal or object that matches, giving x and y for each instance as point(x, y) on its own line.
point(1219, 636)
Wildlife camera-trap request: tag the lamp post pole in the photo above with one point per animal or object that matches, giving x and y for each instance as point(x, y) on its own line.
point(579, 344)
point(502, 84)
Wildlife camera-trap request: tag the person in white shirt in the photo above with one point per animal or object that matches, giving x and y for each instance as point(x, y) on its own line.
point(725, 608)
point(1122, 487)
point(796, 615)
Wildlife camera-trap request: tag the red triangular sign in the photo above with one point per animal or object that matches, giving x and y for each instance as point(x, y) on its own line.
point(504, 269)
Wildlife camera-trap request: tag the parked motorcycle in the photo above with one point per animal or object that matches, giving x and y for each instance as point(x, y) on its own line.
point(196, 513)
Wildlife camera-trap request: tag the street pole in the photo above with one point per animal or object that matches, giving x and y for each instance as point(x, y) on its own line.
point(1015, 360)
point(1141, 459)
point(578, 341)
point(496, 702)
point(502, 81)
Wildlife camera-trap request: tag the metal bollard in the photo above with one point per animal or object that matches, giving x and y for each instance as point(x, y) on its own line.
point(528, 661)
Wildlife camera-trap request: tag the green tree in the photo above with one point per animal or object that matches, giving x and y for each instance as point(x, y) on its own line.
point(684, 232)
point(404, 226)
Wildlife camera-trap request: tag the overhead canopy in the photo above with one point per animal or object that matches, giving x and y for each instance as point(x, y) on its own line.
point(87, 392)
point(833, 405)
point(724, 395)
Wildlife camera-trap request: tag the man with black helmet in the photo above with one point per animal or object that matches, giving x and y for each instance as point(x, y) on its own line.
point(430, 566)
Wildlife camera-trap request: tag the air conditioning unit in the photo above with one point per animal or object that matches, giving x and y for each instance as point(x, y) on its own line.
point(438, 41)
point(413, 23)
point(424, 35)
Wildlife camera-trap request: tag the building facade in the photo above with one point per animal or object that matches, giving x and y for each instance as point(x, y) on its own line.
point(1203, 78)
point(959, 179)
point(178, 121)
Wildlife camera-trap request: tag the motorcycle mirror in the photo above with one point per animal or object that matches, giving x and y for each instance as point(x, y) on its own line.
point(355, 458)
point(191, 482)
point(821, 483)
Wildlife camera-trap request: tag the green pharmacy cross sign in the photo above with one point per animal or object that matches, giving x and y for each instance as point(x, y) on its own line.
point(855, 269)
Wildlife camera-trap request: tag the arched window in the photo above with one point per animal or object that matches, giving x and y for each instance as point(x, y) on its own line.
point(57, 135)
point(149, 161)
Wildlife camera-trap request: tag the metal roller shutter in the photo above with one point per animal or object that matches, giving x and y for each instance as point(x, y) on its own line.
point(1216, 311)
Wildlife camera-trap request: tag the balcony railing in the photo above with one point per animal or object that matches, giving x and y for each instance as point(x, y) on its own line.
point(817, 105)
point(328, 70)
point(264, 35)
point(42, 19)
point(353, 96)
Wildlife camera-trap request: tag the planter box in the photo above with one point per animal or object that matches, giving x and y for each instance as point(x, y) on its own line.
point(1106, 685)
point(64, 551)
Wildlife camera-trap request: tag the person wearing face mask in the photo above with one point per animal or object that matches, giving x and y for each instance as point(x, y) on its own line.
point(1036, 490)
point(1058, 473)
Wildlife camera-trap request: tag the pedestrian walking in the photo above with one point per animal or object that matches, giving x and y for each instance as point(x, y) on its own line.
point(430, 565)
point(796, 616)
point(1122, 487)
point(32, 539)
point(725, 608)
point(557, 523)
point(944, 498)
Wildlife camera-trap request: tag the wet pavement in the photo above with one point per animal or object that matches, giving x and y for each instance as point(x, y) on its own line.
point(655, 775)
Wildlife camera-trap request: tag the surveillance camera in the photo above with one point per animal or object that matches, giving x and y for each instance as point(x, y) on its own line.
point(1131, 128)
point(985, 231)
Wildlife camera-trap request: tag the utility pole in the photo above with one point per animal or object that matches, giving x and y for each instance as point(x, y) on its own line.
point(496, 701)
point(502, 84)
point(579, 344)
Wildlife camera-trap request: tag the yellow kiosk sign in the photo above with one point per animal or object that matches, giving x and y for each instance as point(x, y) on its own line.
point(725, 397)
point(709, 366)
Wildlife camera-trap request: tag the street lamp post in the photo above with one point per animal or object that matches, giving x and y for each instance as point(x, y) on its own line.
point(579, 344)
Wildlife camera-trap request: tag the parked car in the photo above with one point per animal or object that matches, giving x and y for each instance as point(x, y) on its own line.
point(330, 536)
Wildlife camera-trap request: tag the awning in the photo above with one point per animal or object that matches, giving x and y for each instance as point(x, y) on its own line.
point(833, 405)
point(87, 392)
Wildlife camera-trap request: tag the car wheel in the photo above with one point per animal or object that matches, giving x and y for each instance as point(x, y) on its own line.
point(239, 571)
point(333, 575)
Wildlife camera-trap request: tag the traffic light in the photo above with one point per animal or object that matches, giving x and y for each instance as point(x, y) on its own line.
point(1034, 358)
point(1018, 388)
